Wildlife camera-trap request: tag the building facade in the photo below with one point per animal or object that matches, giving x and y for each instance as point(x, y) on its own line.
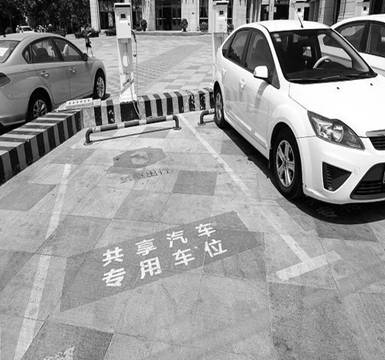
point(167, 14)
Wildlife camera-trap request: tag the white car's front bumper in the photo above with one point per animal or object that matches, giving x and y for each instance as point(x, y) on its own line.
point(315, 152)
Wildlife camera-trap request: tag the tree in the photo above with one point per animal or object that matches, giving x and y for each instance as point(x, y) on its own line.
point(10, 15)
point(67, 14)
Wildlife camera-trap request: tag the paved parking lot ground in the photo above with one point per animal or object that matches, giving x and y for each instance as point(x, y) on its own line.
point(168, 244)
point(163, 62)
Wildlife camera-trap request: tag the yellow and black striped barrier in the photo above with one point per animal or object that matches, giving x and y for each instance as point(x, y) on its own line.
point(112, 111)
point(131, 123)
point(24, 145)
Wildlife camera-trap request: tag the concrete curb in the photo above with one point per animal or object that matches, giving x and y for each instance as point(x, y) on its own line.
point(111, 111)
point(23, 146)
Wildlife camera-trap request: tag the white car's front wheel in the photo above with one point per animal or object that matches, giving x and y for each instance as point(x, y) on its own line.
point(219, 116)
point(286, 165)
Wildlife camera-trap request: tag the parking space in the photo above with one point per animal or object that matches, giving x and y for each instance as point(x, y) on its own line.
point(166, 244)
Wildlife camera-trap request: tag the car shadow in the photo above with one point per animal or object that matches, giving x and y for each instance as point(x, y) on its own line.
point(349, 214)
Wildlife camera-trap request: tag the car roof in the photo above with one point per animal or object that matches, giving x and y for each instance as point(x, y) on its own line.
point(27, 36)
point(286, 25)
point(373, 17)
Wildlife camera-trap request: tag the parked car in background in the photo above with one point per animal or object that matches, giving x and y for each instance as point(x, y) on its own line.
point(25, 28)
point(306, 100)
point(367, 35)
point(40, 71)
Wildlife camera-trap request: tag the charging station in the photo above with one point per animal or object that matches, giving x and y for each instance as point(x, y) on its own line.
point(123, 21)
point(219, 18)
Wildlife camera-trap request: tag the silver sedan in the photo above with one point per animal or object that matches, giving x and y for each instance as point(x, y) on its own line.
point(40, 71)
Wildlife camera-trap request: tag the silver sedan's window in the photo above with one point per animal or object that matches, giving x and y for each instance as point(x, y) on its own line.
point(67, 50)
point(6, 49)
point(43, 51)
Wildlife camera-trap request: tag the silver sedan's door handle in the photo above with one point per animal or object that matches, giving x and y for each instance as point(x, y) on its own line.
point(242, 83)
point(44, 74)
point(224, 71)
point(73, 70)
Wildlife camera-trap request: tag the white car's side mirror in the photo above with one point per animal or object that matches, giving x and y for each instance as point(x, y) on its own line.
point(261, 72)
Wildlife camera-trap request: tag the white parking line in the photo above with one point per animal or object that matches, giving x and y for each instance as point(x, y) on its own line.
point(308, 265)
point(209, 148)
point(59, 201)
point(32, 311)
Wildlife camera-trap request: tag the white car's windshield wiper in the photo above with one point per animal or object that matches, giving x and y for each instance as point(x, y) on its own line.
point(335, 77)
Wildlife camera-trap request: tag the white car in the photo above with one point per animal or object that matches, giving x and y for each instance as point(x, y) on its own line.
point(309, 103)
point(367, 35)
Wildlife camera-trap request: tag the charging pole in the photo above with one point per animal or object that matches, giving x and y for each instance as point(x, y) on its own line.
point(220, 27)
point(123, 21)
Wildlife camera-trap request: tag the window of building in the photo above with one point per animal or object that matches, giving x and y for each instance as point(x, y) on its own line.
point(203, 12)
point(107, 15)
point(168, 14)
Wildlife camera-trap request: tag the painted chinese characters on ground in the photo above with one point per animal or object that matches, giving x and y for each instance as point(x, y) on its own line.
point(136, 262)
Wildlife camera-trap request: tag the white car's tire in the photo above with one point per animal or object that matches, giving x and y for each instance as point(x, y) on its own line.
point(219, 116)
point(286, 165)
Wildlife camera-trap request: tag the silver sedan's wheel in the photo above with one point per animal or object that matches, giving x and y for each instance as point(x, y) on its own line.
point(38, 105)
point(39, 108)
point(285, 163)
point(99, 87)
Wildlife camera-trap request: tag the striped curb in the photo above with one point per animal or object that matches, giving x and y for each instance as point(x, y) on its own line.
point(23, 146)
point(111, 111)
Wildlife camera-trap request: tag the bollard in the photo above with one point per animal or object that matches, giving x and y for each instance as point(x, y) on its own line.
point(131, 123)
point(203, 114)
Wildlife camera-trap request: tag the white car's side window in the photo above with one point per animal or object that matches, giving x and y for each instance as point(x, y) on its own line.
point(259, 54)
point(353, 33)
point(376, 39)
point(237, 46)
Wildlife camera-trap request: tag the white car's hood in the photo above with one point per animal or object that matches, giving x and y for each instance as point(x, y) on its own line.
point(360, 104)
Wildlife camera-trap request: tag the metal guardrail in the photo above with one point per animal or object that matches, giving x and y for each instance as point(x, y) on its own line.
point(131, 123)
point(203, 114)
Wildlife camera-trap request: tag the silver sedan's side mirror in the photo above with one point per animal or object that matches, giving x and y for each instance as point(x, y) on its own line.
point(261, 72)
point(85, 57)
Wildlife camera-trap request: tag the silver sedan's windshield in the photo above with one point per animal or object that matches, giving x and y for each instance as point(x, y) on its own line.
point(318, 55)
point(6, 48)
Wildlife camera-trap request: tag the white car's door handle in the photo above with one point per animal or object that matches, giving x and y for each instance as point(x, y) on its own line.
point(224, 72)
point(44, 74)
point(73, 70)
point(242, 83)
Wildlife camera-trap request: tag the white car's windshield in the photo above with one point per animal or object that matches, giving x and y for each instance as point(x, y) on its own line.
point(6, 48)
point(320, 55)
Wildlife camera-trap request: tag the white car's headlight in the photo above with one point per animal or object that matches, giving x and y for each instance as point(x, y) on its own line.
point(334, 131)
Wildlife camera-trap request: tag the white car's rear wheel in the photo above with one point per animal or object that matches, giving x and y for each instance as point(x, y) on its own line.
point(219, 117)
